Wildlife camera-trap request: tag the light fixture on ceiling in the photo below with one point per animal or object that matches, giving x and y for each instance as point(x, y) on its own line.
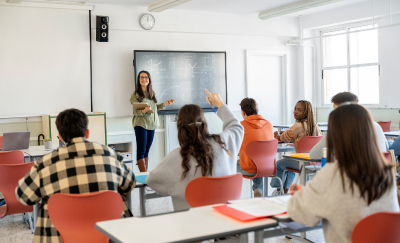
point(293, 7)
point(14, 1)
point(165, 4)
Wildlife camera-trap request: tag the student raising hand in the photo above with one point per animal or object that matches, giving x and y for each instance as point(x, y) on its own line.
point(214, 99)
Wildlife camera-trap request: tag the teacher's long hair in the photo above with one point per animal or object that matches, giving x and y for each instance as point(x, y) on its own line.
point(193, 138)
point(139, 90)
point(353, 143)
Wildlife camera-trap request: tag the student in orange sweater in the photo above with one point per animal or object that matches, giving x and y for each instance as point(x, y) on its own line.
point(255, 128)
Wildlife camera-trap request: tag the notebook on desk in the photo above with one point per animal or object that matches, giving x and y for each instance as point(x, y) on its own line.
point(246, 210)
point(301, 155)
point(15, 141)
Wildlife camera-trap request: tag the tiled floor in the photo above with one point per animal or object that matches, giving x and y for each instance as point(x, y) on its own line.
point(13, 230)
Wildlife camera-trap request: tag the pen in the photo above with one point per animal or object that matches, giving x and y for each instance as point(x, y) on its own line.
point(212, 107)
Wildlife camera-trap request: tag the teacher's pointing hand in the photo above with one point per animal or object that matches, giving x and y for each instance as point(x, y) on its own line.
point(169, 102)
point(214, 99)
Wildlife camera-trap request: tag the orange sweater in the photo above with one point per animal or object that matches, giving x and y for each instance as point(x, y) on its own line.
point(255, 128)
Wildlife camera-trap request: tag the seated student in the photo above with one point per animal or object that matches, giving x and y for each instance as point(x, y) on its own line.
point(338, 100)
point(200, 154)
point(305, 126)
point(255, 128)
point(78, 168)
point(395, 145)
point(355, 182)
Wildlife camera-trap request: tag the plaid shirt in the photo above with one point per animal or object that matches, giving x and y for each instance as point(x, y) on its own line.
point(80, 167)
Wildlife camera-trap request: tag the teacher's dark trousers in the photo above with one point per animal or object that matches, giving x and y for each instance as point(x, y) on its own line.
point(144, 139)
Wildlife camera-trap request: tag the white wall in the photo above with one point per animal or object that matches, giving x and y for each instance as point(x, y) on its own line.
point(113, 73)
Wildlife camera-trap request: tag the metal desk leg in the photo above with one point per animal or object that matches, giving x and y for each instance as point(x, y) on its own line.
point(129, 201)
point(35, 214)
point(303, 173)
point(265, 193)
point(142, 199)
point(244, 238)
point(259, 236)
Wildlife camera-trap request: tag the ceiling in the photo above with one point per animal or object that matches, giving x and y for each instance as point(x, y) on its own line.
point(223, 6)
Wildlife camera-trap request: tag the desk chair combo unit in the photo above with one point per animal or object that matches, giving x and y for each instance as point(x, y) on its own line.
point(304, 145)
point(263, 154)
point(12, 169)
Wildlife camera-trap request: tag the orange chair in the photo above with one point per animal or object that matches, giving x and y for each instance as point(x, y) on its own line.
point(385, 125)
point(9, 177)
point(12, 157)
point(304, 145)
point(75, 215)
point(208, 190)
point(1, 142)
point(263, 155)
point(378, 227)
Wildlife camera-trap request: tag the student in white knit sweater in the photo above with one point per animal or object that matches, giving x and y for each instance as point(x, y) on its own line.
point(200, 154)
point(356, 182)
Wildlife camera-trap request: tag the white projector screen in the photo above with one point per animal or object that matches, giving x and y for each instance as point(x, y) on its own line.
point(44, 60)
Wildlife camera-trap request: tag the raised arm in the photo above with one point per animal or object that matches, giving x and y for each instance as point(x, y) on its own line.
point(232, 130)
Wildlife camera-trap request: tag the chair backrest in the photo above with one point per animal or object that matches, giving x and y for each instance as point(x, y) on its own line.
point(378, 227)
point(263, 155)
point(385, 125)
point(206, 190)
point(75, 215)
point(9, 177)
point(305, 144)
point(12, 157)
point(388, 156)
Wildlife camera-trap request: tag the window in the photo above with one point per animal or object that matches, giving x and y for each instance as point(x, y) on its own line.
point(350, 62)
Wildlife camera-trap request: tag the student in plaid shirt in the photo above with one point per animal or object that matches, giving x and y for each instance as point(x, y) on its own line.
point(78, 168)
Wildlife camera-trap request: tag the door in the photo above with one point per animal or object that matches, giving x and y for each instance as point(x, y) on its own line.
point(266, 83)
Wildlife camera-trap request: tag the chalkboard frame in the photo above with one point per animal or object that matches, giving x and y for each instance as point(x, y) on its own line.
point(170, 112)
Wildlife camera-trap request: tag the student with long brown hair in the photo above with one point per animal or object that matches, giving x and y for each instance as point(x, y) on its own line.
point(305, 125)
point(200, 154)
point(144, 122)
point(356, 181)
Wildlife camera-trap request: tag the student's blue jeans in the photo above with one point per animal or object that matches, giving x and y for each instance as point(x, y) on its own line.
point(281, 165)
point(395, 145)
point(257, 182)
point(144, 139)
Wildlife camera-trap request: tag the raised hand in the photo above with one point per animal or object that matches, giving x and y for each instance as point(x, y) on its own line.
point(214, 99)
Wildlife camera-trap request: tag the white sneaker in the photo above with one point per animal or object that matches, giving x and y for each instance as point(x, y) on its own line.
point(276, 193)
point(257, 192)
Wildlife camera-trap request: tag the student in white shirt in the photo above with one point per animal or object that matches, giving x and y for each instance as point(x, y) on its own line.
point(357, 180)
point(338, 100)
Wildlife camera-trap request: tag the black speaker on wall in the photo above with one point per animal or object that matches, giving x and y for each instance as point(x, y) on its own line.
point(102, 28)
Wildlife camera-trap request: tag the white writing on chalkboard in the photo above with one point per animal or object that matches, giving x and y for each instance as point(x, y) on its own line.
point(184, 76)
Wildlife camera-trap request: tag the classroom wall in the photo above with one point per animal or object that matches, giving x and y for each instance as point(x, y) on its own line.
point(113, 73)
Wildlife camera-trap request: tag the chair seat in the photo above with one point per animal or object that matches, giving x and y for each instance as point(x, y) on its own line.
point(3, 210)
point(293, 170)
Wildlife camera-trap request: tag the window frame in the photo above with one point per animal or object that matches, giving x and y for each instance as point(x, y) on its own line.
point(347, 27)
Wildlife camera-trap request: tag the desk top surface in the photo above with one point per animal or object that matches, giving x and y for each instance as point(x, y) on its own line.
point(35, 151)
point(392, 133)
point(188, 226)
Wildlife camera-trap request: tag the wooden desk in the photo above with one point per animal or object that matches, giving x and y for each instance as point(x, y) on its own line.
point(195, 225)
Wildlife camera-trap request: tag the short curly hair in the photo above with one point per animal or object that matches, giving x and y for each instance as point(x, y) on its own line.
point(344, 97)
point(72, 123)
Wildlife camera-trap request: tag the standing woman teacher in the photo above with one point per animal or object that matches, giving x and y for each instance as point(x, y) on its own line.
point(144, 121)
